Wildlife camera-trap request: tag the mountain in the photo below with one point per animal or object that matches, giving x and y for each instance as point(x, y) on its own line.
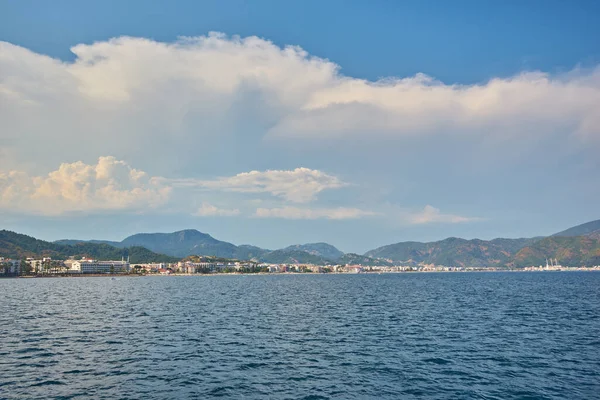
point(72, 242)
point(293, 257)
point(572, 251)
point(247, 252)
point(182, 243)
point(452, 252)
point(191, 242)
point(324, 250)
point(588, 229)
point(357, 259)
point(15, 245)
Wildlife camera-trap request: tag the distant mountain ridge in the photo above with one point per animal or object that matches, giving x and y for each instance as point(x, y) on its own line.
point(190, 242)
point(293, 257)
point(568, 250)
point(182, 243)
point(575, 246)
point(591, 228)
point(450, 251)
point(357, 259)
point(324, 250)
point(16, 245)
point(72, 242)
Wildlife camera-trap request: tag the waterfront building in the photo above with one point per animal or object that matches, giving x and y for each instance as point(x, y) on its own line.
point(99, 267)
point(354, 269)
point(190, 267)
point(37, 265)
point(150, 267)
point(10, 266)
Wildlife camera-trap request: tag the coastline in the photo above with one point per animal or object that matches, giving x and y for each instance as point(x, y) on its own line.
point(285, 273)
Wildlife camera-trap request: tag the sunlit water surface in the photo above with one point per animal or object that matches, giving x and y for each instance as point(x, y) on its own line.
point(438, 335)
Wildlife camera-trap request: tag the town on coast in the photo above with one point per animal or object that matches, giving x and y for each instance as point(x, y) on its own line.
point(41, 267)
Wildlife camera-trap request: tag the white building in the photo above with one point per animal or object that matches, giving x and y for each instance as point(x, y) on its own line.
point(151, 267)
point(37, 265)
point(99, 267)
point(10, 266)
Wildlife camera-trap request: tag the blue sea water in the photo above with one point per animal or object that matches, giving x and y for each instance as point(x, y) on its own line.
point(389, 336)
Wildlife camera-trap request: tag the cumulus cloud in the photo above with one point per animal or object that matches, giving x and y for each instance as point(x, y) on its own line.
point(110, 184)
point(221, 105)
point(312, 213)
point(216, 93)
point(208, 210)
point(430, 214)
point(300, 185)
point(524, 104)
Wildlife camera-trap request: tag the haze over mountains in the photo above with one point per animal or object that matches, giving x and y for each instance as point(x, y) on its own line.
point(574, 246)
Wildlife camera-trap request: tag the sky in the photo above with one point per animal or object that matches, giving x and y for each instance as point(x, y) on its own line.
point(274, 123)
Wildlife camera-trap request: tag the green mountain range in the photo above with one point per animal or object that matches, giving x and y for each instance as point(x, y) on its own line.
point(15, 245)
point(567, 250)
point(590, 229)
point(577, 246)
point(573, 247)
point(293, 257)
point(181, 244)
point(191, 242)
point(357, 259)
point(324, 250)
point(452, 252)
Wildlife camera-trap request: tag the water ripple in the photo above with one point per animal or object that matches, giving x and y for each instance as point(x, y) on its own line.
point(467, 336)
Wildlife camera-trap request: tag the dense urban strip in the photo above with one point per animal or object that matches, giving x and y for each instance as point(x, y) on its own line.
point(85, 266)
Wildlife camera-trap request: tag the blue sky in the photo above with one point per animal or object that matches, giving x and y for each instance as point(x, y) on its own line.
point(386, 121)
point(461, 41)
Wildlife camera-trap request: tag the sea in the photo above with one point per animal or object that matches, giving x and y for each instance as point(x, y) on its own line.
point(481, 335)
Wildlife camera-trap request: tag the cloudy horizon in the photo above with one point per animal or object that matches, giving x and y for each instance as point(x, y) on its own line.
point(258, 141)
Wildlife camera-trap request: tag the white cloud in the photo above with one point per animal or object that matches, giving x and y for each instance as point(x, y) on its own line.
point(108, 185)
point(153, 101)
point(431, 214)
point(221, 105)
point(529, 103)
point(300, 185)
point(312, 213)
point(208, 210)
point(111, 184)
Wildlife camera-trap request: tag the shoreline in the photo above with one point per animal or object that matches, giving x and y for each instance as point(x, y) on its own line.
point(282, 273)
